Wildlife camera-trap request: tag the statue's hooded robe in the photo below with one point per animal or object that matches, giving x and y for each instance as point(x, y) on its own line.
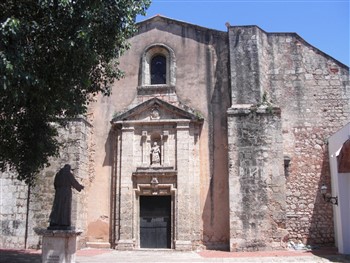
point(62, 205)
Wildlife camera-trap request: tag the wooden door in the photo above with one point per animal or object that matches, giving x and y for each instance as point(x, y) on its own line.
point(155, 221)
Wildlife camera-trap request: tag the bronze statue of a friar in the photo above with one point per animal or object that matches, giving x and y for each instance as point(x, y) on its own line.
point(60, 217)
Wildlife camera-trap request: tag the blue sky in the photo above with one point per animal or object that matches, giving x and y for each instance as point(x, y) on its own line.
point(323, 23)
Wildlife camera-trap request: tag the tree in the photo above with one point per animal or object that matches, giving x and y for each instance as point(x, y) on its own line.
point(55, 56)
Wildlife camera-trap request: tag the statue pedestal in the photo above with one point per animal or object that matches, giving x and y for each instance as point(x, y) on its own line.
point(59, 246)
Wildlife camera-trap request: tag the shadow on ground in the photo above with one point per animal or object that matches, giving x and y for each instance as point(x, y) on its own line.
point(334, 258)
point(113, 256)
point(19, 256)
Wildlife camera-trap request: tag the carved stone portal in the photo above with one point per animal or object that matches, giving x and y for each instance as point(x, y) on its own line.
point(157, 143)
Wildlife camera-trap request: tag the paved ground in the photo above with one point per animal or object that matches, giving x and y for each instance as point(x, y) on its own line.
point(145, 256)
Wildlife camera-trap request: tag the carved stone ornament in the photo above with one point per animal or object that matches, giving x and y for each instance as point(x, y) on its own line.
point(155, 115)
point(154, 186)
point(154, 181)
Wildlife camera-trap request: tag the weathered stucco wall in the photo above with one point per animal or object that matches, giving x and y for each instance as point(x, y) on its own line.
point(200, 83)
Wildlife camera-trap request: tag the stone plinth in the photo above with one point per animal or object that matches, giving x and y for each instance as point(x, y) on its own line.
point(59, 246)
point(125, 245)
point(183, 245)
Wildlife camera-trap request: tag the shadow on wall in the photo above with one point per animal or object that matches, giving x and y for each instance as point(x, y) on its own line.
point(109, 146)
point(216, 216)
point(321, 228)
point(109, 230)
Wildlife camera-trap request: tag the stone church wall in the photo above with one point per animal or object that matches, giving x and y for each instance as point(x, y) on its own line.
point(257, 181)
point(312, 90)
point(76, 138)
point(268, 101)
point(13, 199)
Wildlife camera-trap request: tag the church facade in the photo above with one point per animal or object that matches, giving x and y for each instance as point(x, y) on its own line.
point(212, 140)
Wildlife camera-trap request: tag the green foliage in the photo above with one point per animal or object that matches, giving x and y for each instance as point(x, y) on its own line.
point(55, 55)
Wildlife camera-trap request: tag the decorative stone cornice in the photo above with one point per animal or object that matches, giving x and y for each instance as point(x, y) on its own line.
point(58, 233)
point(152, 170)
point(245, 109)
point(155, 89)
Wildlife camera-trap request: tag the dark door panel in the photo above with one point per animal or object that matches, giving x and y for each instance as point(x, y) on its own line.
point(155, 223)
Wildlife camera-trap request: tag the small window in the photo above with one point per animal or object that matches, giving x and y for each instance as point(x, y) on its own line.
point(157, 66)
point(158, 70)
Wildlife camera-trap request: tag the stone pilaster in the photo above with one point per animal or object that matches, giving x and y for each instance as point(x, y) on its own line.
point(245, 65)
point(126, 190)
point(183, 206)
point(80, 155)
point(256, 178)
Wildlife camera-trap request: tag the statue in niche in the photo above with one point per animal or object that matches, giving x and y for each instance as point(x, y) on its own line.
point(60, 217)
point(155, 154)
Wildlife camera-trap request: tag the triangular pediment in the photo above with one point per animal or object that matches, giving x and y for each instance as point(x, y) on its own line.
point(157, 20)
point(157, 110)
